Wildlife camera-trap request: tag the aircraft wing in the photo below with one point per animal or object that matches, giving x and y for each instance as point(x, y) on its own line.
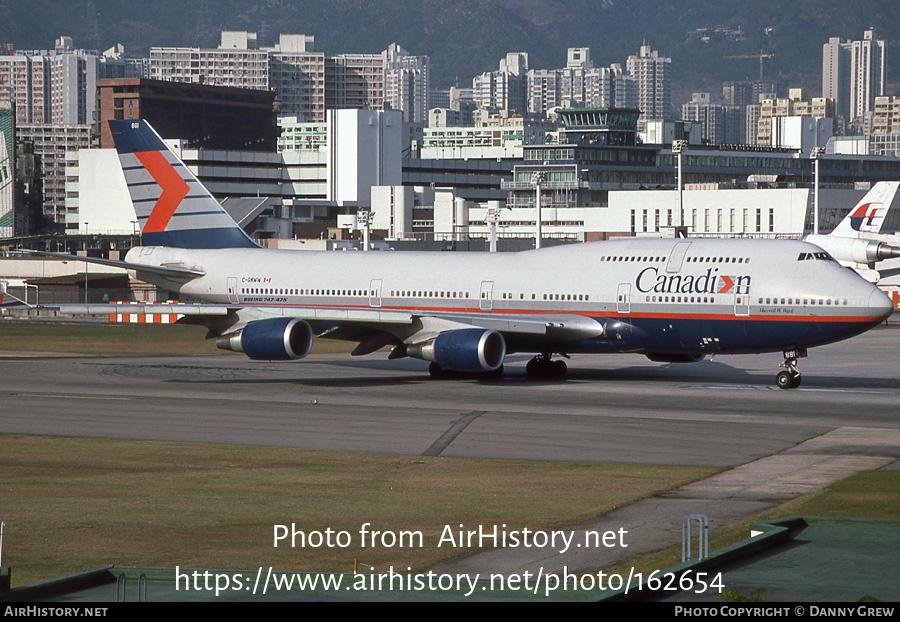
point(369, 327)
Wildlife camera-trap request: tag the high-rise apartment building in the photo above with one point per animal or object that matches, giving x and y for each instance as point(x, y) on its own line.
point(709, 112)
point(51, 86)
point(236, 62)
point(25, 82)
point(55, 144)
point(506, 88)
point(771, 128)
point(581, 85)
point(7, 170)
point(853, 75)
point(354, 81)
point(297, 75)
point(305, 81)
point(291, 68)
point(610, 87)
point(406, 83)
point(653, 74)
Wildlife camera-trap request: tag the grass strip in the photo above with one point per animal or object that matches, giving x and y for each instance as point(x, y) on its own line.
point(72, 504)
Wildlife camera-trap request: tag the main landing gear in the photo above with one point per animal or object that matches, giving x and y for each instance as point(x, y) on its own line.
point(790, 377)
point(542, 367)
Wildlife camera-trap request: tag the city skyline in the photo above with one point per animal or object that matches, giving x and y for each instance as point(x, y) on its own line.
point(464, 39)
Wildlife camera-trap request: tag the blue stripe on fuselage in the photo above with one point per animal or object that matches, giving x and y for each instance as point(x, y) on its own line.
point(710, 336)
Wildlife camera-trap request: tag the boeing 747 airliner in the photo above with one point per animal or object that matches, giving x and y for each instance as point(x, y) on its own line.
point(674, 300)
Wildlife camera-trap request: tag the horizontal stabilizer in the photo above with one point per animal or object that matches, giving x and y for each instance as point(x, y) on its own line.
point(180, 274)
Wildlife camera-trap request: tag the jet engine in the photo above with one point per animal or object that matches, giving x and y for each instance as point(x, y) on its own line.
point(854, 250)
point(466, 349)
point(276, 339)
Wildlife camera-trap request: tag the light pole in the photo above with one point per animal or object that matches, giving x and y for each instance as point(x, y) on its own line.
point(364, 221)
point(816, 155)
point(493, 216)
point(538, 178)
point(85, 263)
point(677, 147)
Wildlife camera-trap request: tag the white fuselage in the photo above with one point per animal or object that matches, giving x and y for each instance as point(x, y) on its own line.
point(711, 285)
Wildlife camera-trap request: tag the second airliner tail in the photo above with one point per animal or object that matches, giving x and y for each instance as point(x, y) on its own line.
point(869, 214)
point(171, 205)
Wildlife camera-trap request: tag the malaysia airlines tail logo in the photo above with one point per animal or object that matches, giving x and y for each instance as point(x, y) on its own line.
point(173, 187)
point(864, 216)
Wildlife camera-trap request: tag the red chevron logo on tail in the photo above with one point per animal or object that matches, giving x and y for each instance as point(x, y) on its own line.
point(174, 189)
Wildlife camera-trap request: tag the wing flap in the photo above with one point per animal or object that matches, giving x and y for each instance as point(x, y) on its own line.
point(562, 327)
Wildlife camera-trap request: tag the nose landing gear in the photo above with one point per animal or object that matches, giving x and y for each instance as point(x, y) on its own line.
point(790, 378)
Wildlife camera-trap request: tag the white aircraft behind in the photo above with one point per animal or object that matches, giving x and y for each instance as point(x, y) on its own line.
point(7, 299)
point(858, 243)
point(673, 300)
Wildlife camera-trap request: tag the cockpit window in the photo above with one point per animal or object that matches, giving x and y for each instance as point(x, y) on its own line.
point(820, 256)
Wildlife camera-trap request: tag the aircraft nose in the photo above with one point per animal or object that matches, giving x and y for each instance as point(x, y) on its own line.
point(880, 304)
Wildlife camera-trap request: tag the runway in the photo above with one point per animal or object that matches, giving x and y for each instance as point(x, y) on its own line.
point(617, 408)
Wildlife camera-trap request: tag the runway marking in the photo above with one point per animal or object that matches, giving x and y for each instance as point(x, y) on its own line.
point(73, 397)
point(450, 435)
point(750, 387)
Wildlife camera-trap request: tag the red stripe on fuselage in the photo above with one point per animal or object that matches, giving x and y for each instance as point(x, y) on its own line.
point(174, 189)
point(590, 314)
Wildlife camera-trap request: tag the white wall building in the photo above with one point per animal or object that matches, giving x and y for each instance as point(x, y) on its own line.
point(364, 151)
point(100, 203)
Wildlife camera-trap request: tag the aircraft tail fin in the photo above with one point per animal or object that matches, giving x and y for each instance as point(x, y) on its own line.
point(172, 206)
point(869, 214)
point(7, 300)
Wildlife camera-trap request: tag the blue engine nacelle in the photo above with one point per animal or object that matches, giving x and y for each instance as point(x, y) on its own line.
point(466, 349)
point(277, 339)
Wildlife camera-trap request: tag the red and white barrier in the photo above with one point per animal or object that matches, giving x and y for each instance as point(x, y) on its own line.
point(145, 318)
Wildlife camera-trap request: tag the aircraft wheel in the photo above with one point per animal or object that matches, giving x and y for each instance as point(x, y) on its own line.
point(559, 368)
point(495, 373)
point(795, 381)
point(786, 380)
point(435, 371)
